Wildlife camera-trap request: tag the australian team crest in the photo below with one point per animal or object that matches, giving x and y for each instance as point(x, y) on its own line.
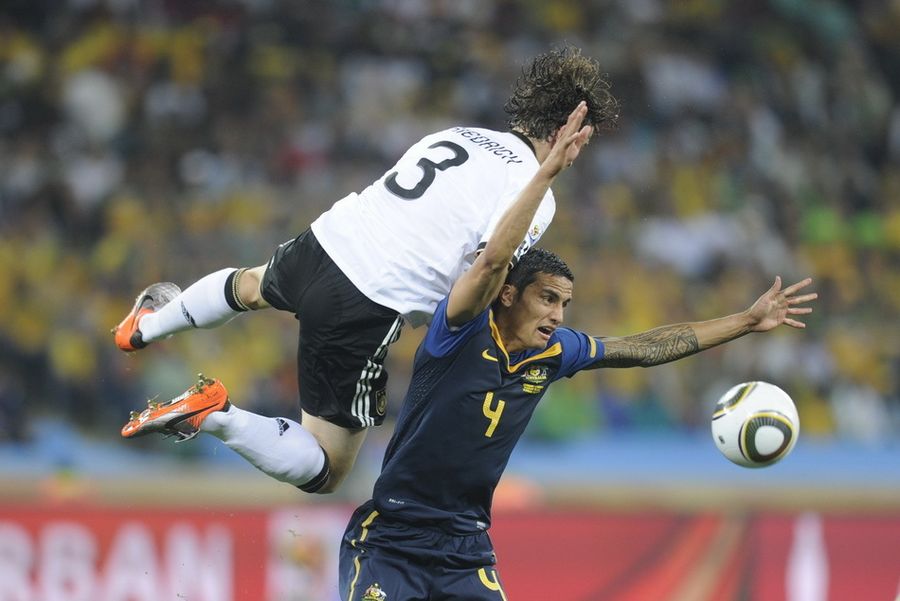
point(374, 593)
point(534, 379)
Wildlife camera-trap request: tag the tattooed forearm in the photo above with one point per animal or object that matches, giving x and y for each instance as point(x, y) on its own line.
point(653, 347)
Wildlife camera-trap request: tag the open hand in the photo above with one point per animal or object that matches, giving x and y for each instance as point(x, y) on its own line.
point(570, 138)
point(776, 306)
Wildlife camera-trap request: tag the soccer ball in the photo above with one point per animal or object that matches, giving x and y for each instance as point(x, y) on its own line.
point(755, 424)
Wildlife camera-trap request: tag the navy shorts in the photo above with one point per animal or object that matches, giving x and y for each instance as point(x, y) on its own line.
point(344, 335)
point(383, 561)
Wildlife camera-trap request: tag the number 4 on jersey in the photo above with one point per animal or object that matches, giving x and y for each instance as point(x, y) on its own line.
point(428, 168)
point(492, 413)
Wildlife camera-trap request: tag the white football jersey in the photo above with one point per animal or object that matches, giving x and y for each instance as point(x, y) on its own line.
point(405, 239)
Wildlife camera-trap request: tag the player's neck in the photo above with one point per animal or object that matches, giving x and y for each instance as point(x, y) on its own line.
point(540, 148)
point(506, 332)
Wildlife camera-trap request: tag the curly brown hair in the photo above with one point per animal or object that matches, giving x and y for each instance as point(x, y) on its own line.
point(550, 88)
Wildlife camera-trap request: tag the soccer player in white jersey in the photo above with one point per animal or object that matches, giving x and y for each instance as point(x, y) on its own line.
point(387, 254)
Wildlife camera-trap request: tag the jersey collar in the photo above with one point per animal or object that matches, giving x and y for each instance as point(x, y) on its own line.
point(551, 351)
point(525, 139)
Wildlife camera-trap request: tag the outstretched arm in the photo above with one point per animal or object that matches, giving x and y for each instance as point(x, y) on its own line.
point(474, 291)
point(673, 342)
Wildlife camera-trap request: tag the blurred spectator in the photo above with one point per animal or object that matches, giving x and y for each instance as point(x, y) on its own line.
point(148, 138)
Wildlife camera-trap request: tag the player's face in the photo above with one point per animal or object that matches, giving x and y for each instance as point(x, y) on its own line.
point(536, 312)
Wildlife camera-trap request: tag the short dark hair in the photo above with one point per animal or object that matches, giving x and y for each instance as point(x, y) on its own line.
point(550, 88)
point(535, 261)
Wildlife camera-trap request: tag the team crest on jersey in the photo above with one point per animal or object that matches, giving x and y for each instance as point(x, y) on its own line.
point(374, 593)
point(534, 378)
point(381, 401)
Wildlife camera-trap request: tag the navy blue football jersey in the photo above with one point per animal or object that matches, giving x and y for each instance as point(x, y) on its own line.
point(468, 403)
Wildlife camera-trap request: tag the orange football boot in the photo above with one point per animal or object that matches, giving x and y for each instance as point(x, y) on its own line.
point(127, 335)
point(182, 415)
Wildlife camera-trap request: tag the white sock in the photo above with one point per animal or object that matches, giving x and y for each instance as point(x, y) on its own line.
point(202, 305)
point(280, 447)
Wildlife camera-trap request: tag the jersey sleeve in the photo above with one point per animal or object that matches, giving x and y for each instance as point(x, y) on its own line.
point(539, 224)
point(442, 340)
point(579, 351)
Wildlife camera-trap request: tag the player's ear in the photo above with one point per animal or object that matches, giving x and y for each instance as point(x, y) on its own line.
point(552, 138)
point(507, 295)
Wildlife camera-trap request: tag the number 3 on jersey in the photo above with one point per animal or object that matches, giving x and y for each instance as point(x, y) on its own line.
point(428, 168)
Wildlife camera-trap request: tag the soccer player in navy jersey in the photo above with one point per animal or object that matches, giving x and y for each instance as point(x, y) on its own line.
point(494, 346)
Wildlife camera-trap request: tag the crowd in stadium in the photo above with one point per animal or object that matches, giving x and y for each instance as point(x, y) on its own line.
point(160, 140)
